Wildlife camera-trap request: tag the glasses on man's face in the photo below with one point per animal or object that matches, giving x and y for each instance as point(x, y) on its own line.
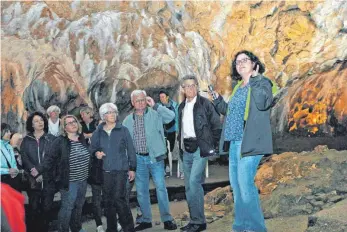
point(142, 100)
point(70, 123)
point(242, 61)
point(110, 112)
point(189, 86)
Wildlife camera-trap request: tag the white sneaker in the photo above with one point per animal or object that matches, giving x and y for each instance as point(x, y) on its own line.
point(119, 227)
point(100, 229)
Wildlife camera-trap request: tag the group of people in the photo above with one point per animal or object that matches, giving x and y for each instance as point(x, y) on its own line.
point(65, 154)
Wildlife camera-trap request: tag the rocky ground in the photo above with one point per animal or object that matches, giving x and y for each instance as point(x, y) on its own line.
point(300, 192)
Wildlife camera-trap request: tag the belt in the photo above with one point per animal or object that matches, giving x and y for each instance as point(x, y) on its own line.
point(143, 154)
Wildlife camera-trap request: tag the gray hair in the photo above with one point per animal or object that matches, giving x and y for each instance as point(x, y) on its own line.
point(189, 77)
point(137, 92)
point(86, 109)
point(53, 108)
point(104, 109)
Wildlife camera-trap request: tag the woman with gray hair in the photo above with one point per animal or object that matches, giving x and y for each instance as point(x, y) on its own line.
point(53, 113)
point(112, 143)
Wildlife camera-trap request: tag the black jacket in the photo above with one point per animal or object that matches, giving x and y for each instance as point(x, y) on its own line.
point(34, 154)
point(118, 147)
point(207, 125)
point(59, 154)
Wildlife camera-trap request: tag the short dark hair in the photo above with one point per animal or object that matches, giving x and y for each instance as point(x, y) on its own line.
point(29, 124)
point(164, 92)
point(235, 75)
point(190, 77)
point(5, 128)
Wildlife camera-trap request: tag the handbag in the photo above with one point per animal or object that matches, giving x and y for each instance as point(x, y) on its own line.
point(190, 145)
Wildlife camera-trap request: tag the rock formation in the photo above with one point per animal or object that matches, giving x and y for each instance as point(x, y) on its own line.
point(74, 53)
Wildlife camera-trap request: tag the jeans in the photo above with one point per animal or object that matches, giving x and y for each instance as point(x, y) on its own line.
point(145, 167)
point(72, 201)
point(96, 199)
point(194, 176)
point(40, 208)
point(247, 208)
point(115, 196)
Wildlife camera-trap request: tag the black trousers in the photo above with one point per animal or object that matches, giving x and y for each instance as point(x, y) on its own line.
point(40, 208)
point(115, 196)
point(15, 183)
point(97, 199)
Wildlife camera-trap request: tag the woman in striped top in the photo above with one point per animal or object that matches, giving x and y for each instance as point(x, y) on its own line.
point(71, 154)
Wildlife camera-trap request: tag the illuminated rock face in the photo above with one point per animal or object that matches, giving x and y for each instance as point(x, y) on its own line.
point(74, 53)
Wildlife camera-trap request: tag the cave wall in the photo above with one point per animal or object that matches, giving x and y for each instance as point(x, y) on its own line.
point(74, 53)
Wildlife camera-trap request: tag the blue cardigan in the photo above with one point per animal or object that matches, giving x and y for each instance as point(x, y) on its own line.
point(7, 151)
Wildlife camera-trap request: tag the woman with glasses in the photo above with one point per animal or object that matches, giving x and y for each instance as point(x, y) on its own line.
point(69, 151)
point(247, 127)
point(112, 143)
point(9, 170)
point(34, 150)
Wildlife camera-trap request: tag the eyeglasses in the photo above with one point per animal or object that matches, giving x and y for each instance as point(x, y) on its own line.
point(244, 60)
point(140, 100)
point(189, 86)
point(71, 123)
point(110, 112)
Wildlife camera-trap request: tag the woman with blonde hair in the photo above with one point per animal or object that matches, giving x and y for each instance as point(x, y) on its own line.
point(69, 151)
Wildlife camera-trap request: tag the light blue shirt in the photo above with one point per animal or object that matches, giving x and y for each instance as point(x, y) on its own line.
point(7, 153)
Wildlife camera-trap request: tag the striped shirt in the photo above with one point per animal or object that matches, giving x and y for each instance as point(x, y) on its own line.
point(139, 134)
point(79, 161)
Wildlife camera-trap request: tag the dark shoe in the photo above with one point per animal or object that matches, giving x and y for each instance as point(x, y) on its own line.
point(143, 226)
point(170, 225)
point(194, 227)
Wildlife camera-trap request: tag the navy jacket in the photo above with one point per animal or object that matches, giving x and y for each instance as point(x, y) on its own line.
point(118, 147)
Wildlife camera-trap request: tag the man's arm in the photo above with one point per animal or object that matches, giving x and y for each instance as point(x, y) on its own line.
point(130, 151)
point(215, 122)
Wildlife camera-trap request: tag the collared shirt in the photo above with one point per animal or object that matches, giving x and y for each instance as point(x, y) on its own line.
point(139, 134)
point(188, 119)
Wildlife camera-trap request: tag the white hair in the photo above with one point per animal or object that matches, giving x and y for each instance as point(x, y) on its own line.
point(137, 92)
point(53, 108)
point(104, 108)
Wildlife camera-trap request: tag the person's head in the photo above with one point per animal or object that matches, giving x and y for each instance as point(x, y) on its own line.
point(53, 112)
point(37, 122)
point(244, 63)
point(190, 86)
point(138, 99)
point(108, 112)
point(16, 140)
point(5, 132)
point(70, 125)
point(163, 97)
point(86, 113)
